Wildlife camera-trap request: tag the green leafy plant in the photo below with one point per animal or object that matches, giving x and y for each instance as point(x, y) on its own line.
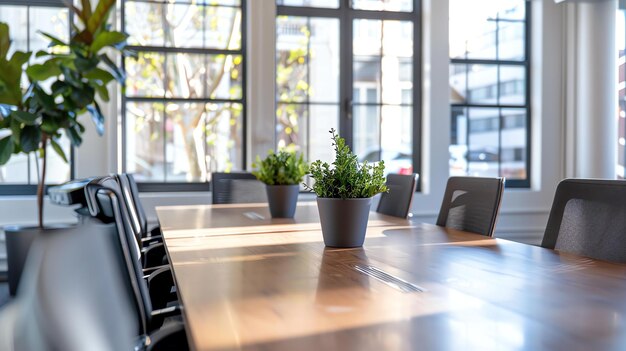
point(74, 73)
point(281, 168)
point(347, 178)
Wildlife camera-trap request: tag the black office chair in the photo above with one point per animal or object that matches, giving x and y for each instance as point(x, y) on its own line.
point(152, 252)
point(471, 204)
point(159, 318)
point(140, 219)
point(397, 201)
point(588, 218)
point(238, 187)
point(70, 298)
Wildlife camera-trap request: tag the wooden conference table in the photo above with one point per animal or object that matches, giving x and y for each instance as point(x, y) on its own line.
point(248, 282)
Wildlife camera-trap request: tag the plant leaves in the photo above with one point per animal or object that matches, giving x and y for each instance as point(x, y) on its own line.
point(100, 76)
point(41, 72)
point(29, 139)
point(99, 16)
point(24, 117)
point(103, 92)
point(5, 41)
point(7, 146)
point(117, 72)
point(58, 149)
point(107, 39)
point(19, 58)
point(74, 136)
point(97, 117)
point(54, 41)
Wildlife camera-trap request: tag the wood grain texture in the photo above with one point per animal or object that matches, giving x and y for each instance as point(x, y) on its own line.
point(252, 283)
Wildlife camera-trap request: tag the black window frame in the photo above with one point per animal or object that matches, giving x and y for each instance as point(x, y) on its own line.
point(187, 186)
point(510, 183)
point(18, 189)
point(346, 16)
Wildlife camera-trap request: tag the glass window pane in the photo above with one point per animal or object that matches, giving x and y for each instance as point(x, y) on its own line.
point(307, 59)
point(366, 132)
point(482, 84)
point(144, 23)
point(483, 139)
point(309, 3)
point(366, 77)
point(16, 18)
point(223, 28)
point(512, 85)
point(224, 137)
point(458, 142)
point(368, 36)
point(292, 46)
point(225, 79)
point(145, 141)
point(397, 39)
point(186, 75)
point(486, 29)
point(514, 148)
point(511, 37)
point(184, 25)
point(144, 75)
point(55, 23)
point(15, 171)
point(396, 139)
point(383, 5)
point(304, 128)
point(185, 150)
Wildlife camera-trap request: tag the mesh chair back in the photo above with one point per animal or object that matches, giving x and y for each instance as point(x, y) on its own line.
point(397, 202)
point(471, 204)
point(72, 298)
point(104, 200)
point(588, 218)
point(133, 205)
point(234, 188)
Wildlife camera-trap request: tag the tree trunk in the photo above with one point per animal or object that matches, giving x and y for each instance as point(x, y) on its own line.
point(42, 180)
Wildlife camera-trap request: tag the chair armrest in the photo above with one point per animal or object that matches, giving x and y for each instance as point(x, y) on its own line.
point(151, 240)
point(160, 283)
point(153, 255)
point(147, 271)
point(155, 231)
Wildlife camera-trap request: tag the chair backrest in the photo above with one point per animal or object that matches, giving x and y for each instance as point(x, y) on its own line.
point(588, 218)
point(105, 201)
point(126, 208)
point(397, 202)
point(471, 204)
point(131, 196)
point(72, 298)
point(238, 187)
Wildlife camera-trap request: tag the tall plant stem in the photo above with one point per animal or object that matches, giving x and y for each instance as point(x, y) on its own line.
point(42, 179)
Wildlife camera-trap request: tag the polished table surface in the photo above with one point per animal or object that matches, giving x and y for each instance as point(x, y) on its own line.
point(248, 282)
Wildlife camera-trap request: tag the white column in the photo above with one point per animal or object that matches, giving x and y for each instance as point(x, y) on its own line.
point(261, 47)
point(596, 105)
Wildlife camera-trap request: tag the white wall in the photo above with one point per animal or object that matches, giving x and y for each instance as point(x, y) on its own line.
point(524, 211)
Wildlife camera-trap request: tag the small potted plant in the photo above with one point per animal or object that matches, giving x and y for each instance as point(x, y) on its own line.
point(282, 172)
point(344, 194)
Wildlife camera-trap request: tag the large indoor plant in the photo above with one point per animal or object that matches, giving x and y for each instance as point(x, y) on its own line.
point(282, 172)
point(76, 72)
point(38, 111)
point(344, 194)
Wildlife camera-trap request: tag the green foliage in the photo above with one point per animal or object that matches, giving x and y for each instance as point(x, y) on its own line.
point(77, 72)
point(347, 178)
point(282, 168)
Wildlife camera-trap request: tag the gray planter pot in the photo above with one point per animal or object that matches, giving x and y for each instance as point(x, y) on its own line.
point(18, 241)
point(282, 200)
point(344, 221)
